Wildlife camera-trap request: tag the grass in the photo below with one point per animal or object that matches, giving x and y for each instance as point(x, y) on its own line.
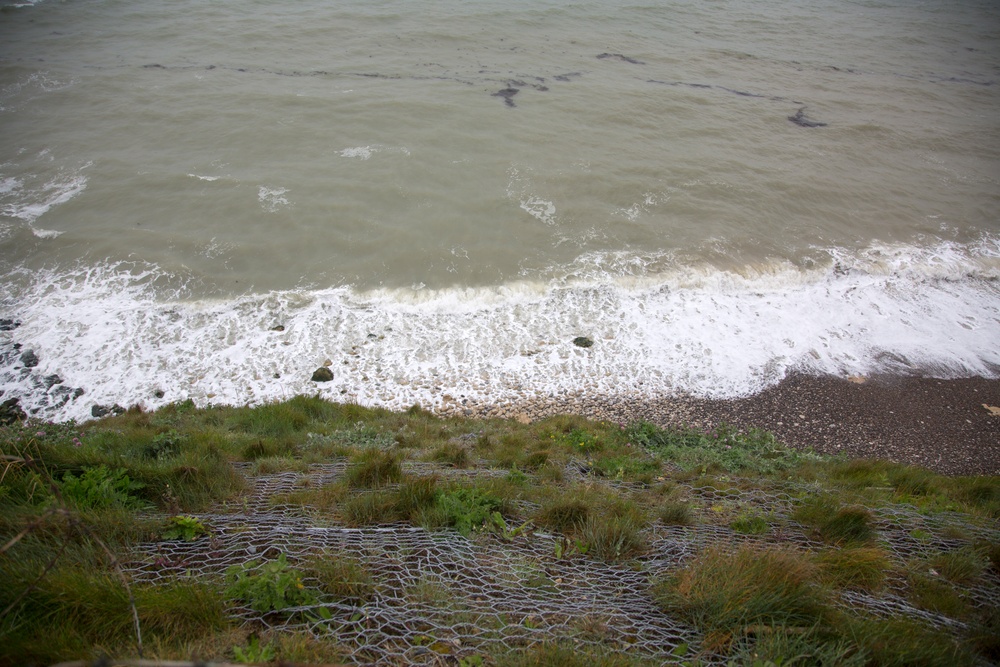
point(856, 568)
point(77, 499)
point(774, 588)
point(836, 524)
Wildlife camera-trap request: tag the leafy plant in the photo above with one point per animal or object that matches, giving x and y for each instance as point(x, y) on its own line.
point(359, 435)
point(583, 442)
point(165, 445)
point(101, 487)
point(724, 446)
point(273, 586)
point(254, 652)
point(498, 525)
point(468, 508)
point(185, 528)
point(750, 523)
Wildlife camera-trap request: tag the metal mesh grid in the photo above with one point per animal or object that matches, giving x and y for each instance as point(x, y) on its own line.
point(438, 593)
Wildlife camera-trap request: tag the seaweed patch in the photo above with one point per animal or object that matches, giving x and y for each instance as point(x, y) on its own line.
point(800, 119)
point(618, 56)
point(508, 95)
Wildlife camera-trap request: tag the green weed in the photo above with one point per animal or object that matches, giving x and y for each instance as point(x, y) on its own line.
point(468, 508)
point(750, 523)
point(724, 447)
point(101, 487)
point(185, 528)
point(254, 652)
point(341, 576)
point(271, 586)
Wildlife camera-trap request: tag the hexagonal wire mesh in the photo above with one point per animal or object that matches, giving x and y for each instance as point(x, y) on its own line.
point(440, 593)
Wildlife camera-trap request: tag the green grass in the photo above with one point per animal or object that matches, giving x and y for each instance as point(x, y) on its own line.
point(674, 513)
point(773, 587)
point(77, 498)
point(374, 468)
point(836, 524)
point(855, 568)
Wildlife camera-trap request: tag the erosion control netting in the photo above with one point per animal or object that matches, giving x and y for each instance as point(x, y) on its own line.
point(438, 593)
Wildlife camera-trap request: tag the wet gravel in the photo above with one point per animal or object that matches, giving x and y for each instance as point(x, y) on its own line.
point(939, 424)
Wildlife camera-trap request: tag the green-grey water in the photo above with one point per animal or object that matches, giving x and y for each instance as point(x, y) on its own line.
point(477, 183)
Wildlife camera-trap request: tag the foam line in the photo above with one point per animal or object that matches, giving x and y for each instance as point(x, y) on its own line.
point(709, 333)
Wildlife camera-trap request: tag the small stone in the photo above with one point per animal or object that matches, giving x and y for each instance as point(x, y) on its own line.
point(279, 327)
point(328, 363)
point(98, 411)
point(29, 359)
point(583, 341)
point(322, 374)
point(11, 412)
point(158, 393)
point(51, 380)
point(8, 325)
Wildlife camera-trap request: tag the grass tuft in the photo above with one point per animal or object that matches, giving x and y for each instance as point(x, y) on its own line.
point(857, 568)
point(676, 514)
point(836, 524)
point(727, 594)
point(374, 468)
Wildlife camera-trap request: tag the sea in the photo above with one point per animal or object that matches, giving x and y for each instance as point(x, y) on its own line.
point(483, 201)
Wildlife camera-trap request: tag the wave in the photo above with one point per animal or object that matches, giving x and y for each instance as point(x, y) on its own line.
point(28, 201)
point(700, 331)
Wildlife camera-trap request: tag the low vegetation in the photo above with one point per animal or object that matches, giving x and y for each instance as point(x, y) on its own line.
point(755, 553)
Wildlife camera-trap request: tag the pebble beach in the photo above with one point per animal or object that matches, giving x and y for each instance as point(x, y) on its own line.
point(944, 425)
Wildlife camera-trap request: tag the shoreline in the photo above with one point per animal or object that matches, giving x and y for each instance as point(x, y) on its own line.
point(940, 424)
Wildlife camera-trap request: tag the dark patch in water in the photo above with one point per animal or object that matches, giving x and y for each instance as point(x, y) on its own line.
point(800, 119)
point(741, 93)
point(955, 79)
point(623, 58)
point(508, 95)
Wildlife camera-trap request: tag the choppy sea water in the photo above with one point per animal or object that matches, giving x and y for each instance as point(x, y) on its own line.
point(210, 200)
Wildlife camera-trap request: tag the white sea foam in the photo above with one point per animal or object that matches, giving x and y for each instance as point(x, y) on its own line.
point(362, 152)
point(45, 233)
point(540, 209)
point(365, 152)
point(708, 332)
point(29, 203)
point(272, 199)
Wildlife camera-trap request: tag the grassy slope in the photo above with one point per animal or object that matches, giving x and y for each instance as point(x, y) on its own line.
point(795, 537)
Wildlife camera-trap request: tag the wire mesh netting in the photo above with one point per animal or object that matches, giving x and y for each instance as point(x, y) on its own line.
point(438, 594)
